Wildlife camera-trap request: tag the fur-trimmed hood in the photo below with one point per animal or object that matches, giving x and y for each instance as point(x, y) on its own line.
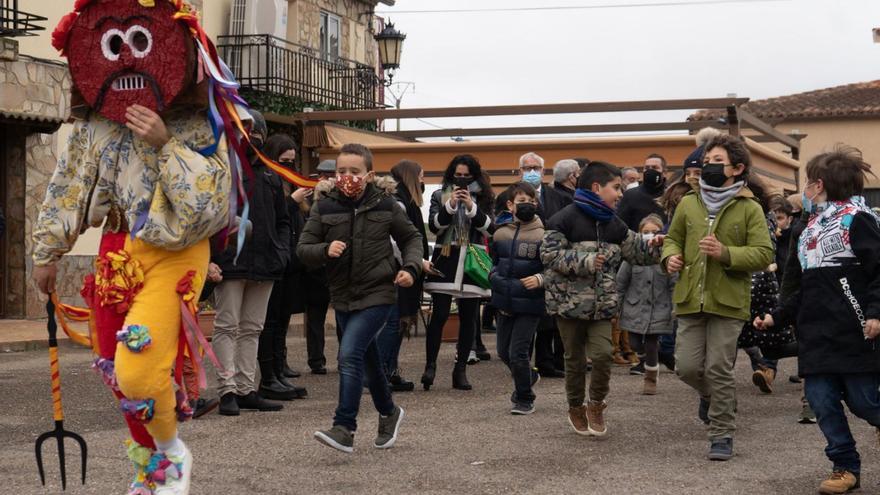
point(384, 183)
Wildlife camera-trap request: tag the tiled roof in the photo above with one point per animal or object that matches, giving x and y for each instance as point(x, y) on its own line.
point(851, 100)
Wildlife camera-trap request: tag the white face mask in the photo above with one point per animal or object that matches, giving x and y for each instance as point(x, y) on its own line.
point(632, 186)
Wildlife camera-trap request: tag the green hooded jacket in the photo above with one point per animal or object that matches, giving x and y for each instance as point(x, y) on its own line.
point(718, 287)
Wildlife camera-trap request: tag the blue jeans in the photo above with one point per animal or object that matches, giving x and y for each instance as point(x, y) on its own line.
point(358, 353)
point(389, 341)
point(825, 393)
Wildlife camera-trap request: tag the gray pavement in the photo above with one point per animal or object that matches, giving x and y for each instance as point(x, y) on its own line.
point(451, 441)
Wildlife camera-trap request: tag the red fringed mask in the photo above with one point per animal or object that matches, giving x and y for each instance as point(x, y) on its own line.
point(123, 53)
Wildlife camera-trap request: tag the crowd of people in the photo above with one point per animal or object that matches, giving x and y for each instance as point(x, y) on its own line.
point(603, 267)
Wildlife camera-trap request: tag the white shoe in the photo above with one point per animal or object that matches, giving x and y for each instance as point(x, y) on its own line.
point(472, 358)
point(177, 485)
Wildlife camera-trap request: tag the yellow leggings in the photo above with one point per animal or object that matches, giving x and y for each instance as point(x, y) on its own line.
point(148, 374)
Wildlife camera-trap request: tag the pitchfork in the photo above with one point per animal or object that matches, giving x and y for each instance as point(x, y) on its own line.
point(59, 432)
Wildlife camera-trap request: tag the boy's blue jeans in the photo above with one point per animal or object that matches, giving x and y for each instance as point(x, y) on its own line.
point(358, 353)
point(388, 341)
point(861, 392)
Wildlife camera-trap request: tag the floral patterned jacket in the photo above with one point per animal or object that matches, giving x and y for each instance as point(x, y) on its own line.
point(180, 195)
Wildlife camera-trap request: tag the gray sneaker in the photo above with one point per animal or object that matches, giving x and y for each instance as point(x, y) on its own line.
point(807, 416)
point(522, 409)
point(721, 449)
point(337, 437)
point(388, 428)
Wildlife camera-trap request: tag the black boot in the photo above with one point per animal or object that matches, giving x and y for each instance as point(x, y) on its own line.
point(270, 387)
point(428, 375)
point(301, 392)
point(399, 384)
point(459, 377)
point(279, 362)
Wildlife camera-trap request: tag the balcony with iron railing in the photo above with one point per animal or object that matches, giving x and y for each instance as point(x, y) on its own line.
point(270, 64)
point(14, 22)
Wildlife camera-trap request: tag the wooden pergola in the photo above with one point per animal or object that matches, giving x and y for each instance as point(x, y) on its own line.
point(322, 138)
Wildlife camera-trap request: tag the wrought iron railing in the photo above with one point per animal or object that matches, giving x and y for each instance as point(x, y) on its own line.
point(267, 63)
point(14, 22)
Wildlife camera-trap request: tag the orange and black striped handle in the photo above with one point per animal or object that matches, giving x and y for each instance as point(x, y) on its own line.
point(56, 384)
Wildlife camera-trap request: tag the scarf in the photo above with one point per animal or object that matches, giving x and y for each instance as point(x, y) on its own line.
point(591, 204)
point(716, 197)
point(458, 234)
point(504, 218)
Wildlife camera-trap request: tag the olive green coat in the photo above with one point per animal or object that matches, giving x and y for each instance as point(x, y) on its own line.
point(718, 287)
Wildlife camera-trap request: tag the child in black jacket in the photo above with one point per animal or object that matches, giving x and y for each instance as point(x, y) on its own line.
point(837, 308)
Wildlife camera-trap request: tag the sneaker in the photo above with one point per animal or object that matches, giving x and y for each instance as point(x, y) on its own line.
point(721, 449)
point(175, 476)
point(794, 379)
point(703, 411)
point(596, 419)
point(840, 481)
point(201, 407)
point(337, 437)
point(667, 360)
point(577, 418)
point(229, 405)
point(388, 428)
point(763, 379)
point(483, 355)
point(254, 401)
point(522, 409)
point(536, 377)
point(472, 358)
point(807, 416)
point(638, 370)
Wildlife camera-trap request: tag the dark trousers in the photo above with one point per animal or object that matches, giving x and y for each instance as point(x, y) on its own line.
point(359, 358)
point(515, 334)
point(647, 347)
point(825, 393)
point(549, 351)
point(469, 319)
point(316, 317)
point(272, 346)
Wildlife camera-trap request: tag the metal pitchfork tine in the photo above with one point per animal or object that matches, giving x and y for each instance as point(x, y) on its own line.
point(59, 433)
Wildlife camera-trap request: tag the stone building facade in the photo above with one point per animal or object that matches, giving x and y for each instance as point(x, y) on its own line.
point(34, 102)
point(357, 43)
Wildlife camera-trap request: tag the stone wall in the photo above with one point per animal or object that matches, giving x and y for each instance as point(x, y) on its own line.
point(36, 90)
point(357, 41)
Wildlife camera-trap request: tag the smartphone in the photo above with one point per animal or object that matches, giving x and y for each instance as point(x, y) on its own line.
point(436, 273)
point(461, 182)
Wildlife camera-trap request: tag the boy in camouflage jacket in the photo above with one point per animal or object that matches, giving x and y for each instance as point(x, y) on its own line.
point(583, 248)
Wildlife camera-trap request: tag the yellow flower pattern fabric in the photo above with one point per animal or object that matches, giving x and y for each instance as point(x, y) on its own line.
point(183, 195)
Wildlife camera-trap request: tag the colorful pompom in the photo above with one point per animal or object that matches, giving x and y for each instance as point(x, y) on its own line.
point(135, 337)
point(139, 410)
point(107, 369)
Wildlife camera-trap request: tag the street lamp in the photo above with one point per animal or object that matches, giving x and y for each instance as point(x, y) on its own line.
point(390, 43)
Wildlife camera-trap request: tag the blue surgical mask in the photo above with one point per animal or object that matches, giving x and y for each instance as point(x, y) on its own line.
point(533, 178)
point(809, 206)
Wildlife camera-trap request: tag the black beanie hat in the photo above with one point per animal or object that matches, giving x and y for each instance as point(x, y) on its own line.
point(695, 159)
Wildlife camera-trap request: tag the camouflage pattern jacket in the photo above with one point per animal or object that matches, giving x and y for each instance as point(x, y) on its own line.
point(573, 289)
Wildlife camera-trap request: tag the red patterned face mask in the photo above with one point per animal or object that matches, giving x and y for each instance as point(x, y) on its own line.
point(122, 53)
point(351, 185)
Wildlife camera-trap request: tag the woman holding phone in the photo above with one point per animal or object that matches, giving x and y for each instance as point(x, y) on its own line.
point(459, 216)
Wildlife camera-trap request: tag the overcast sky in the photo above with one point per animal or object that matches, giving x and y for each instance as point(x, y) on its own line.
point(756, 49)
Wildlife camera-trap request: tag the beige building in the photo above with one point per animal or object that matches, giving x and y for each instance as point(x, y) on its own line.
point(847, 114)
point(313, 45)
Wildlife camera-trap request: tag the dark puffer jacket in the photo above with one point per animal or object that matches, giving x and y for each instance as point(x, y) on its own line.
point(364, 275)
point(266, 252)
point(516, 253)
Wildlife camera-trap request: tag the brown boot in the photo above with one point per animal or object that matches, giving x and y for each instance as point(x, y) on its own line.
point(839, 482)
point(633, 358)
point(620, 360)
point(577, 418)
point(763, 379)
point(651, 375)
point(595, 418)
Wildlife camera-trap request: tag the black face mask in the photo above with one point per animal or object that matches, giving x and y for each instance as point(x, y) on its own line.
point(462, 182)
point(526, 211)
point(713, 174)
point(422, 186)
point(653, 180)
point(288, 163)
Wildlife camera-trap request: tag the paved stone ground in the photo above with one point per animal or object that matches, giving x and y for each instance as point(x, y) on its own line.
point(451, 441)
